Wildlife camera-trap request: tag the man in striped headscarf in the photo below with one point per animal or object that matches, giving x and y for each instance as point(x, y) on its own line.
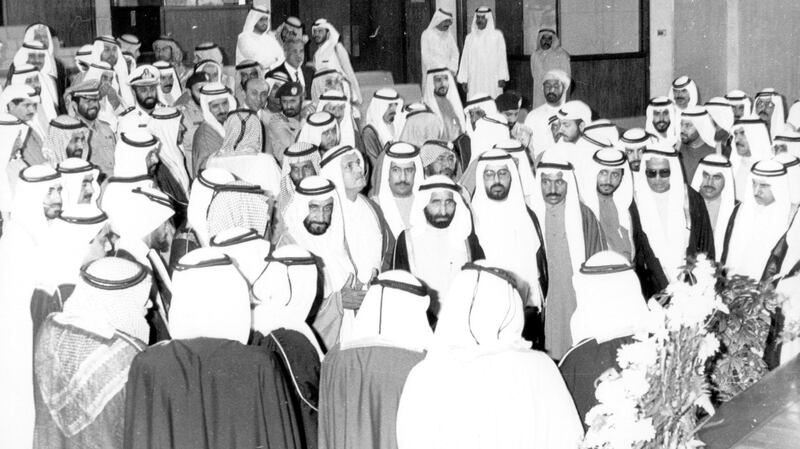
point(242, 152)
point(67, 137)
point(84, 353)
point(215, 102)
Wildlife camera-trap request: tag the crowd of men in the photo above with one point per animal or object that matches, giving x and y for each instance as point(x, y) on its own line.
point(198, 258)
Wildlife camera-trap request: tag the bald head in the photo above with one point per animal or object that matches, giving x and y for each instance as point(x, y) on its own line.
point(256, 93)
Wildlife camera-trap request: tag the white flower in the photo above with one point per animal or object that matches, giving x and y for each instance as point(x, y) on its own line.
point(704, 271)
point(641, 354)
point(691, 305)
point(635, 382)
point(708, 347)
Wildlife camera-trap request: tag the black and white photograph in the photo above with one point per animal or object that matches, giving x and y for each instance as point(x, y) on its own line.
point(399, 224)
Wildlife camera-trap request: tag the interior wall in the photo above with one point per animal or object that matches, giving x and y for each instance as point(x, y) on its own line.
point(769, 44)
point(701, 44)
point(73, 21)
point(662, 49)
point(725, 45)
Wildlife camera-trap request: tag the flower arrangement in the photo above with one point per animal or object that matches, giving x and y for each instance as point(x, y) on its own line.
point(652, 402)
point(743, 335)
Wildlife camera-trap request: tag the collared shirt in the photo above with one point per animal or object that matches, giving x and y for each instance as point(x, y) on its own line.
point(295, 74)
point(102, 143)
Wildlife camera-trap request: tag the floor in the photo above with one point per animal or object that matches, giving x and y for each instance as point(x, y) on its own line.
point(767, 415)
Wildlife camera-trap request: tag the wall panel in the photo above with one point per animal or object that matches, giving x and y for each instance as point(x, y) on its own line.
point(700, 45)
point(769, 45)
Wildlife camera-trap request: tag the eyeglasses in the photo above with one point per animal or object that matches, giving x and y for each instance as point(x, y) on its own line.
point(651, 173)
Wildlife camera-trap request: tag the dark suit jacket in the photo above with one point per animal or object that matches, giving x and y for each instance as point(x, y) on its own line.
point(308, 76)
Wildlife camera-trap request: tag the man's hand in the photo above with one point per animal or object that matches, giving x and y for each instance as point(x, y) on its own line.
point(501, 83)
point(466, 87)
point(353, 294)
point(107, 91)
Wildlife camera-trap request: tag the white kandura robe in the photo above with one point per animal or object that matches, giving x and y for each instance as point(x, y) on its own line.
point(483, 62)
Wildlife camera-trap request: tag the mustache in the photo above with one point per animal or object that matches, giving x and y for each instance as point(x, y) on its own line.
point(497, 185)
point(552, 195)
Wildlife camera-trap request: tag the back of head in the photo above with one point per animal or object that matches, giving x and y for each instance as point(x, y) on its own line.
point(393, 312)
point(210, 298)
point(482, 308)
point(609, 299)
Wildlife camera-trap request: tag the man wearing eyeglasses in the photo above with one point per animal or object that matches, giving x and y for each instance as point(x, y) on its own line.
point(673, 217)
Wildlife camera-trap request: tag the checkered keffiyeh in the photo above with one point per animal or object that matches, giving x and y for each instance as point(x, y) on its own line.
point(239, 204)
point(432, 149)
point(61, 131)
point(297, 153)
point(242, 133)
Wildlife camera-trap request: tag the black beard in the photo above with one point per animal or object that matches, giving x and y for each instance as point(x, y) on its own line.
point(449, 172)
point(90, 115)
point(497, 196)
point(661, 126)
point(440, 92)
point(551, 97)
point(438, 221)
point(603, 188)
point(148, 103)
point(315, 227)
point(75, 153)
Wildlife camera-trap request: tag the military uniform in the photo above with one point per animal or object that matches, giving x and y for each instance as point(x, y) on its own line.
point(282, 131)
